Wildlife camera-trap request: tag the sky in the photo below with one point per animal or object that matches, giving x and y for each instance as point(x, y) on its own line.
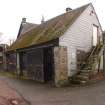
point(12, 11)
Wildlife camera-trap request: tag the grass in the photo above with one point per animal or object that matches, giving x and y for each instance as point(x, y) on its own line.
point(12, 75)
point(8, 74)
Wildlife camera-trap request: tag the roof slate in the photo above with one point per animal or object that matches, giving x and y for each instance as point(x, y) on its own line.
point(51, 29)
point(25, 27)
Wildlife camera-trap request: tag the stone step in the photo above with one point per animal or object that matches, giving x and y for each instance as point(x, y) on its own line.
point(82, 77)
point(83, 82)
point(79, 81)
point(85, 71)
point(75, 81)
point(88, 68)
point(95, 55)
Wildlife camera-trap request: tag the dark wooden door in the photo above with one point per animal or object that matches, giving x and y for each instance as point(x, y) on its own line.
point(48, 64)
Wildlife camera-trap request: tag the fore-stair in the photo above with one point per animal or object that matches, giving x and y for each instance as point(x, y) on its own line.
point(88, 66)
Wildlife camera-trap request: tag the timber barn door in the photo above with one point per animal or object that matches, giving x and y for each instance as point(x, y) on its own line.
point(48, 64)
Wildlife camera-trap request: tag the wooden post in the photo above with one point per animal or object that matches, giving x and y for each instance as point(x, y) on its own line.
point(18, 63)
point(99, 64)
point(104, 60)
point(4, 61)
point(4, 57)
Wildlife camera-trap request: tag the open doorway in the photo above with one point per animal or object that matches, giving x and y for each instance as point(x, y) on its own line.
point(95, 35)
point(48, 64)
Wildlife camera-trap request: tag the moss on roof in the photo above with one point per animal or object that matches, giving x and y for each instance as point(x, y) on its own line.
point(49, 30)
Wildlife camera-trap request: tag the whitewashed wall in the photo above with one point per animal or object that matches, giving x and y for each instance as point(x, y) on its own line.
point(79, 36)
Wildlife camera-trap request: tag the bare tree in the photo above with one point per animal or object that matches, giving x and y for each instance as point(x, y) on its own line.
point(11, 41)
point(1, 34)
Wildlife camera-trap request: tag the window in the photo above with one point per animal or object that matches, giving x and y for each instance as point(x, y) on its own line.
point(95, 35)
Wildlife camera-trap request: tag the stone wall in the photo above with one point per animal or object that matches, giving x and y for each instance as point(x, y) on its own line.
point(60, 62)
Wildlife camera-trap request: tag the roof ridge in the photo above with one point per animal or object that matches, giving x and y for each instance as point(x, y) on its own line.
point(49, 30)
point(86, 5)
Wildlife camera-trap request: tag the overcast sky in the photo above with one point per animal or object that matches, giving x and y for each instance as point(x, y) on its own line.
point(12, 11)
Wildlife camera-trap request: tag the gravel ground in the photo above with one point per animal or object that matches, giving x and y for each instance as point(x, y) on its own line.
point(44, 94)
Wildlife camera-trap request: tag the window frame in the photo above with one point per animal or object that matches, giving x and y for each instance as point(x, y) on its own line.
point(93, 43)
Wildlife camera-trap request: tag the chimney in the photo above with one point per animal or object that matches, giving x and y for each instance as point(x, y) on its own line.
point(68, 9)
point(42, 21)
point(23, 20)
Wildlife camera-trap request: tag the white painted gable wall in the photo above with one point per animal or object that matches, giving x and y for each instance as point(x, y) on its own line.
point(79, 36)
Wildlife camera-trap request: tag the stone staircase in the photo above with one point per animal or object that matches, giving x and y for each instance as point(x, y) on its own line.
point(88, 66)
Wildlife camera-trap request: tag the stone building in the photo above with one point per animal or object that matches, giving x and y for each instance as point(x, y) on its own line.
point(60, 47)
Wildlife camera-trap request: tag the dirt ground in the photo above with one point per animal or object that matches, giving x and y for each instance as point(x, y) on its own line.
point(44, 94)
point(9, 96)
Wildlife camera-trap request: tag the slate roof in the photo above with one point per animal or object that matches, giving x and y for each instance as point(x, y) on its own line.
point(25, 27)
point(51, 29)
